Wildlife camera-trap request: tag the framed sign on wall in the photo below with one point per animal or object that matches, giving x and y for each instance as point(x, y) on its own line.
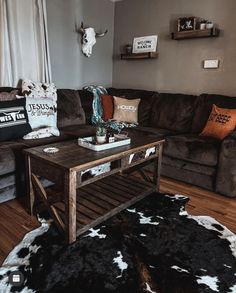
point(187, 24)
point(145, 44)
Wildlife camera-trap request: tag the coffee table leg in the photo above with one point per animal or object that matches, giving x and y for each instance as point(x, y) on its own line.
point(70, 205)
point(157, 169)
point(29, 188)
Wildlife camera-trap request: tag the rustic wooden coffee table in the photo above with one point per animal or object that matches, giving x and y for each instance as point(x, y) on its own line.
point(89, 187)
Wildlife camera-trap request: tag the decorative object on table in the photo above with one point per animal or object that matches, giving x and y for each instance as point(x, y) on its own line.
point(88, 38)
point(13, 120)
point(221, 123)
point(51, 150)
point(128, 49)
point(126, 110)
point(202, 24)
point(121, 135)
point(187, 24)
point(153, 246)
point(92, 144)
point(209, 24)
point(101, 135)
point(110, 138)
point(145, 44)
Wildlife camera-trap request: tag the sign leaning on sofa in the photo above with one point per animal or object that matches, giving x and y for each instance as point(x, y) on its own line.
point(145, 44)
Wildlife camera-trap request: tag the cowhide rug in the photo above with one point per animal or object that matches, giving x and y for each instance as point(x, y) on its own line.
point(154, 246)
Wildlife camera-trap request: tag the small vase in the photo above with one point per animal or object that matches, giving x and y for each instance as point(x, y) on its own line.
point(101, 139)
point(202, 26)
point(209, 25)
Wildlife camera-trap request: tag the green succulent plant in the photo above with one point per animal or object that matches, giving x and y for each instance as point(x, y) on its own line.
point(101, 131)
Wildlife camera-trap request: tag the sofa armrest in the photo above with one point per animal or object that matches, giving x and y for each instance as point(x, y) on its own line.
point(226, 171)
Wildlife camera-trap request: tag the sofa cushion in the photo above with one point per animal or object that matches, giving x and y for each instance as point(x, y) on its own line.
point(69, 108)
point(86, 99)
point(221, 123)
point(188, 166)
point(107, 102)
point(7, 193)
point(173, 111)
point(13, 120)
point(126, 110)
point(9, 155)
point(7, 180)
point(204, 106)
point(145, 106)
point(193, 148)
point(76, 131)
point(191, 177)
point(151, 131)
point(8, 96)
point(9, 89)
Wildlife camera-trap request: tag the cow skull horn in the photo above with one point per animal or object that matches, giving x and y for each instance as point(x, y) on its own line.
point(81, 29)
point(102, 34)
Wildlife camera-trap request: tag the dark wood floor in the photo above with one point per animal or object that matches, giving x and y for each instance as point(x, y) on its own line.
point(15, 221)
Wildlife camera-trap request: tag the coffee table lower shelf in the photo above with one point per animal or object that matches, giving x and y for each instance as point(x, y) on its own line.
point(103, 199)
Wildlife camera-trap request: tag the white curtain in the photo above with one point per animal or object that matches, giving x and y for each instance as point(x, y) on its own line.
point(24, 51)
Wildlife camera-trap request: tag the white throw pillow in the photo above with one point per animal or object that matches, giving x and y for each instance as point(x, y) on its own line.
point(42, 112)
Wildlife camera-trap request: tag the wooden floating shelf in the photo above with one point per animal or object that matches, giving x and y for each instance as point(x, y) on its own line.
point(207, 33)
point(132, 56)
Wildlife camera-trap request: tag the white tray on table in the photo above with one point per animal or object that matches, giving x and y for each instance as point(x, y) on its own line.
point(90, 143)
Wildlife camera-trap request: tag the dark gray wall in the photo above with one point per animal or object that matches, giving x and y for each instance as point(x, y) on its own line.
point(179, 67)
point(70, 69)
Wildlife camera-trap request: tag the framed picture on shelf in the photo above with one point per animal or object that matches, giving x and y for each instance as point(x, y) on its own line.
point(145, 44)
point(187, 24)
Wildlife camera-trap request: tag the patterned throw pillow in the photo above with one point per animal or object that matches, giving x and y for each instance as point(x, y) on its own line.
point(221, 123)
point(126, 110)
point(107, 107)
point(38, 89)
point(8, 96)
point(13, 120)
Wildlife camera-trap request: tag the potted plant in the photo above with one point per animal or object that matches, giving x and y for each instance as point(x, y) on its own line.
point(101, 134)
point(209, 24)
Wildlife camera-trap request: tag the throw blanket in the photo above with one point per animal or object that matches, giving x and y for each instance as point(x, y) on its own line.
point(98, 111)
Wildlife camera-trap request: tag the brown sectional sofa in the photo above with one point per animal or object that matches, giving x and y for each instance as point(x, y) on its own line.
point(178, 118)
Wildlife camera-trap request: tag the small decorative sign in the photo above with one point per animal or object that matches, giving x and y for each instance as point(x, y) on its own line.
point(186, 24)
point(145, 44)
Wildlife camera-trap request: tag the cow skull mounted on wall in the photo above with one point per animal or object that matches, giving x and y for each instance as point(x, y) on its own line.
point(88, 39)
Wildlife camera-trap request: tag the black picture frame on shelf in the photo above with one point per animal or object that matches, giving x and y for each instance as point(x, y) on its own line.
point(187, 24)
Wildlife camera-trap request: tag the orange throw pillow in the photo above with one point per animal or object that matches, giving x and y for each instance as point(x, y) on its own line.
point(221, 123)
point(107, 106)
